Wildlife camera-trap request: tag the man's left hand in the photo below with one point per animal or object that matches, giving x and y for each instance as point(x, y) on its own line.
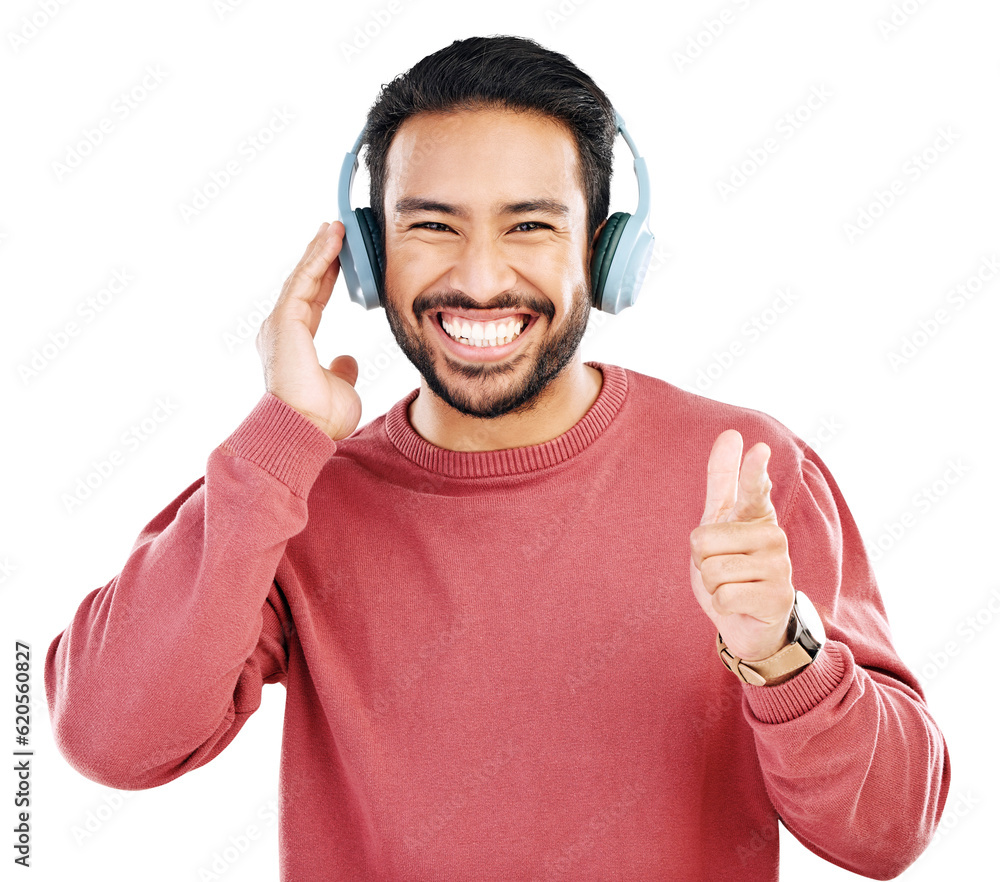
point(741, 573)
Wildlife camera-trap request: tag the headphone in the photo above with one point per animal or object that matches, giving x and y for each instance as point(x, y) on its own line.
point(621, 255)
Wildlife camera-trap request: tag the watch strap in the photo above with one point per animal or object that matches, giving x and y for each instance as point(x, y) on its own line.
point(758, 673)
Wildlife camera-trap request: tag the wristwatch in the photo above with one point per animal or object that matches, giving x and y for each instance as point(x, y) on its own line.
point(807, 636)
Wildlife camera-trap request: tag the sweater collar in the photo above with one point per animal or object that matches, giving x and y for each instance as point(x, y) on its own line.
point(514, 460)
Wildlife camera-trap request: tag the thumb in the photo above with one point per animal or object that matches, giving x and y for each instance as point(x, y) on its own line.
point(345, 367)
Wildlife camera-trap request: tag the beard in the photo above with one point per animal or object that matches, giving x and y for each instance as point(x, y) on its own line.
point(493, 390)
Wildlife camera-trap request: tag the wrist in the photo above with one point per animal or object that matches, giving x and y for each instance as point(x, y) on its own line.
point(804, 639)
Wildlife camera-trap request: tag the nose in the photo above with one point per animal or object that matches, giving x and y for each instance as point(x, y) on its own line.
point(482, 270)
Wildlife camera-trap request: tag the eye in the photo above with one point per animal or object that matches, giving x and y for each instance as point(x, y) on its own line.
point(433, 226)
point(530, 227)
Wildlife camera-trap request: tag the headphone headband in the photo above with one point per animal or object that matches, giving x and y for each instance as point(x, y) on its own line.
point(639, 166)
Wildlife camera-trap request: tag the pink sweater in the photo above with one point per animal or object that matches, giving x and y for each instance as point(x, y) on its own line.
point(494, 662)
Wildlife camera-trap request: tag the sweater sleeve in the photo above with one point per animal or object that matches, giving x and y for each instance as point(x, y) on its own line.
point(853, 762)
point(159, 669)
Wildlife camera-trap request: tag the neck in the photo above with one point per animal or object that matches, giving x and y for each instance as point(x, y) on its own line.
point(559, 406)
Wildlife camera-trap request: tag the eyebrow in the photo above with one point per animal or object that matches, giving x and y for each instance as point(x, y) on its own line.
point(416, 204)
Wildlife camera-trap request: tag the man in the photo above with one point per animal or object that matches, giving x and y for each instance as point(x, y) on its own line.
point(538, 621)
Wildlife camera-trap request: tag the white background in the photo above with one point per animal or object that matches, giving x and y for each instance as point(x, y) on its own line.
point(912, 444)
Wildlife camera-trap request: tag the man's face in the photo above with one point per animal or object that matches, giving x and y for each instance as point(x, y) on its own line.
point(487, 290)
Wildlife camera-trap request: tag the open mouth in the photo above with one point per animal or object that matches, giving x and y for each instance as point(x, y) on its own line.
point(498, 332)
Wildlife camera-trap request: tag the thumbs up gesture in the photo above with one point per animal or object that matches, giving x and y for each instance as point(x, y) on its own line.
point(741, 573)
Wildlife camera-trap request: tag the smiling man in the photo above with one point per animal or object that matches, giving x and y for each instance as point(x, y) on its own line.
point(543, 619)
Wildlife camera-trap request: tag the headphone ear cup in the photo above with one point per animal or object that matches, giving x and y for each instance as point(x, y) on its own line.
point(604, 255)
point(372, 237)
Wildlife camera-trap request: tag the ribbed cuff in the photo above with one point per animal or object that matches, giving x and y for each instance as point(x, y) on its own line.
point(284, 443)
point(798, 696)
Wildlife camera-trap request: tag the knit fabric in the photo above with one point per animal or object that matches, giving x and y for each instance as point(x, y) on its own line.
point(494, 662)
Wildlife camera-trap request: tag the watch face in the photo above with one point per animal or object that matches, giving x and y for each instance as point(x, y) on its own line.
point(813, 634)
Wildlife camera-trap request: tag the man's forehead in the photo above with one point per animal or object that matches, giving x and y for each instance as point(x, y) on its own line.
point(511, 153)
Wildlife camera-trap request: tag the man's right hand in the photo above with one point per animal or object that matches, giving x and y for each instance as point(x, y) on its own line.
point(292, 371)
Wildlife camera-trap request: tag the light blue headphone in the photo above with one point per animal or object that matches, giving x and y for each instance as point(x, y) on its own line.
point(621, 256)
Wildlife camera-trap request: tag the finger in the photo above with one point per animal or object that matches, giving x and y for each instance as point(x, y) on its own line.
point(345, 367)
point(322, 257)
point(330, 246)
point(737, 537)
point(322, 234)
point(723, 476)
point(753, 500)
point(308, 288)
point(734, 569)
point(312, 279)
point(758, 600)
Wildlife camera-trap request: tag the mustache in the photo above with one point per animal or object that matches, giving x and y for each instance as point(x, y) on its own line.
point(459, 300)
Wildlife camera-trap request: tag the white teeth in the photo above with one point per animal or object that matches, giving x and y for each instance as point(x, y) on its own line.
point(495, 333)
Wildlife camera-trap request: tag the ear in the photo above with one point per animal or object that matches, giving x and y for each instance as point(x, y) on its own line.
point(593, 242)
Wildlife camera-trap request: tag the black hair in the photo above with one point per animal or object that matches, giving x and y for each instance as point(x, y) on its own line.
point(499, 72)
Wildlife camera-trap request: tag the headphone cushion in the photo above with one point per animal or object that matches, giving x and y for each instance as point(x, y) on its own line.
point(372, 237)
point(604, 254)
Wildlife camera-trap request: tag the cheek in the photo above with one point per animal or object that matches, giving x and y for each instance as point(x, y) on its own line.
point(559, 275)
point(412, 266)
